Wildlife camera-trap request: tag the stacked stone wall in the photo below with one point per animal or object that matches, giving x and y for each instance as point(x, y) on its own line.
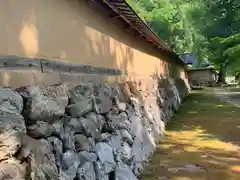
point(84, 131)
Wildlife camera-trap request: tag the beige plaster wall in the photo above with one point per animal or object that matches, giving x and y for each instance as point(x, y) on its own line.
point(201, 75)
point(68, 30)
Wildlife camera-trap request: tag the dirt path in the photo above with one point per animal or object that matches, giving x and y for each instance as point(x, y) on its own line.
point(230, 95)
point(201, 143)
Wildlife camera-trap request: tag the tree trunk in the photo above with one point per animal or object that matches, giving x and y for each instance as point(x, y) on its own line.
point(222, 74)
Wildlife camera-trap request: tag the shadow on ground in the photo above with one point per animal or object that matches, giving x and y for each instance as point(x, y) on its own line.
point(201, 142)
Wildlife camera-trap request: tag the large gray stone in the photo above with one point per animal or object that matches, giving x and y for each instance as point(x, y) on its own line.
point(102, 104)
point(118, 92)
point(182, 87)
point(163, 94)
point(90, 128)
point(166, 88)
point(105, 155)
point(70, 158)
point(71, 126)
point(42, 108)
point(67, 137)
point(98, 119)
point(159, 128)
point(160, 99)
point(44, 104)
point(59, 93)
point(10, 101)
point(57, 150)
point(143, 147)
point(116, 122)
point(81, 143)
point(105, 137)
point(103, 101)
point(115, 141)
point(123, 172)
point(57, 127)
point(30, 92)
point(86, 172)
point(126, 136)
point(83, 92)
point(100, 172)
point(136, 105)
point(147, 111)
point(114, 110)
point(120, 105)
point(12, 170)
point(136, 126)
point(125, 153)
point(101, 120)
point(80, 108)
point(121, 150)
point(92, 116)
point(75, 125)
point(41, 160)
point(70, 165)
point(12, 128)
point(92, 143)
point(39, 130)
point(85, 156)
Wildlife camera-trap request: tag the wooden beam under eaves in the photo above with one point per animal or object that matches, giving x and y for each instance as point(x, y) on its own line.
point(115, 16)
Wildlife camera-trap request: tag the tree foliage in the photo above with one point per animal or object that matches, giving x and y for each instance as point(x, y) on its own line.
point(209, 29)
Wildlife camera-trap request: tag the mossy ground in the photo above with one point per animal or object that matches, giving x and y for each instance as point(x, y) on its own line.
point(206, 133)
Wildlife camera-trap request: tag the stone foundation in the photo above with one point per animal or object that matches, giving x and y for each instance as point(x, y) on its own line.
point(84, 131)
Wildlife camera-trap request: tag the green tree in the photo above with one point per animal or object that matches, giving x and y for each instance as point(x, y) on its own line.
point(232, 52)
point(170, 21)
point(207, 28)
point(222, 23)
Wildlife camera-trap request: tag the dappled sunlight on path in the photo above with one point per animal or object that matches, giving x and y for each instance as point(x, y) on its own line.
point(201, 143)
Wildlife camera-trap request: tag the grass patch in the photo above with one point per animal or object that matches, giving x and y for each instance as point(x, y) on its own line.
point(205, 132)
